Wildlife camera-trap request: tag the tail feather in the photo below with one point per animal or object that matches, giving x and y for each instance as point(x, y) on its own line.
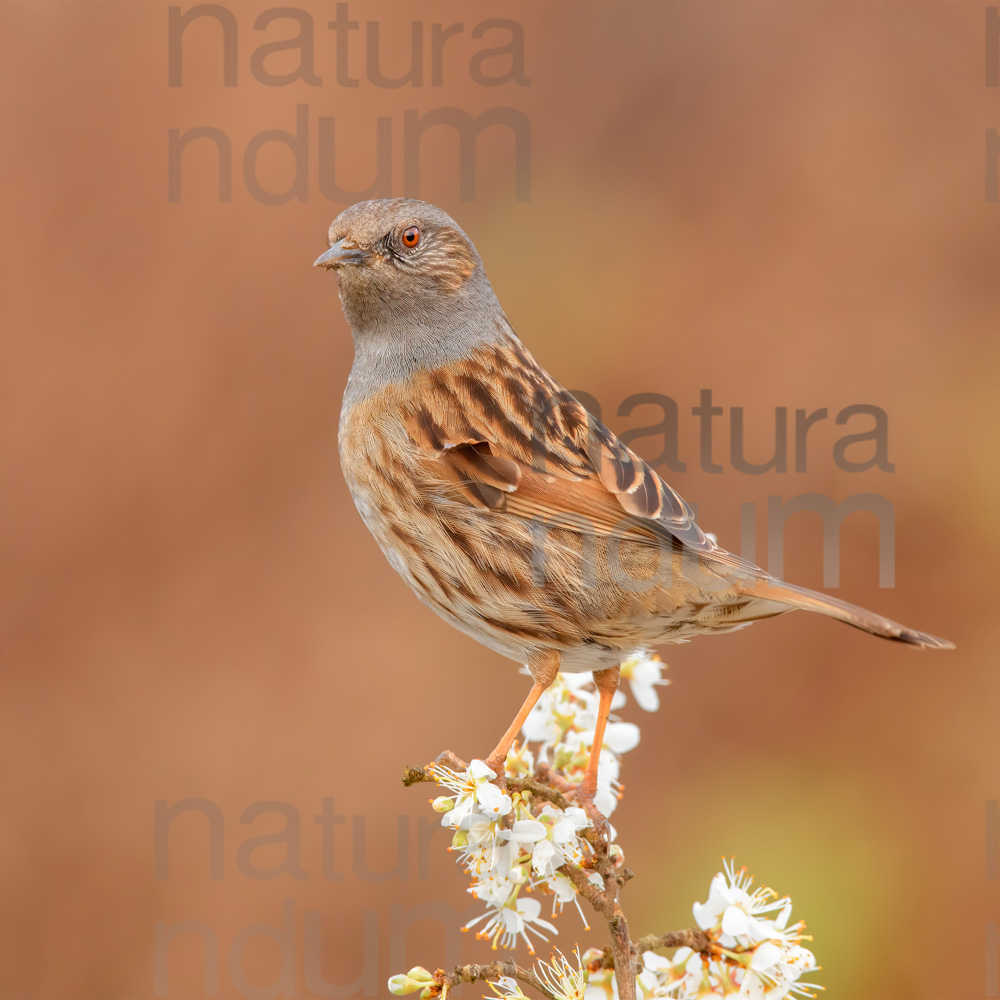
point(851, 614)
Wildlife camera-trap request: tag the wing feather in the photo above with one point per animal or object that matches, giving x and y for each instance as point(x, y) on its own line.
point(472, 422)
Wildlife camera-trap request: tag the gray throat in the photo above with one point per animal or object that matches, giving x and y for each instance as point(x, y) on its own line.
point(407, 337)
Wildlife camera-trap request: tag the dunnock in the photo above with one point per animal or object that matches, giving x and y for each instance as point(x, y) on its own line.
point(502, 502)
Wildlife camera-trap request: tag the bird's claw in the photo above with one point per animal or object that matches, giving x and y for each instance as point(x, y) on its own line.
point(583, 796)
point(497, 765)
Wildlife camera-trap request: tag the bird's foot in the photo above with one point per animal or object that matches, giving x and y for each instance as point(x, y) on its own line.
point(583, 796)
point(495, 762)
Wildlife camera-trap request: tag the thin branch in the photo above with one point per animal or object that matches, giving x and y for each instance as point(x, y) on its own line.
point(621, 947)
point(414, 775)
point(533, 785)
point(492, 972)
point(547, 776)
point(584, 886)
point(527, 783)
point(691, 937)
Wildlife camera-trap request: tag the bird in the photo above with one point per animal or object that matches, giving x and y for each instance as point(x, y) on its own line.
point(506, 506)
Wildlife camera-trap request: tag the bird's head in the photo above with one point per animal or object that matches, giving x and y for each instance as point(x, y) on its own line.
point(398, 257)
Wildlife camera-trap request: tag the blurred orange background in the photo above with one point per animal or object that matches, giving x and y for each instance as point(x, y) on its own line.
point(781, 202)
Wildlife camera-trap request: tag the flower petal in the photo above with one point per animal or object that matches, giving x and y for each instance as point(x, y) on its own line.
point(735, 921)
point(752, 988)
point(478, 771)
point(528, 831)
point(764, 956)
point(704, 916)
point(493, 801)
point(620, 737)
point(650, 960)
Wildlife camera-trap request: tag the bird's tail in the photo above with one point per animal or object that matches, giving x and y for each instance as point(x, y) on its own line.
point(868, 621)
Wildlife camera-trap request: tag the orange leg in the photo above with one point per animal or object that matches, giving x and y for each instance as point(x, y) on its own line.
point(607, 684)
point(544, 668)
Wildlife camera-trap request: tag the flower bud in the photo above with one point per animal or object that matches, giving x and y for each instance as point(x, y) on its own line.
point(418, 978)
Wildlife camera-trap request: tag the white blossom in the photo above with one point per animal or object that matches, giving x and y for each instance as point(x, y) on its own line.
point(564, 892)
point(739, 914)
point(512, 921)
point(473, 791)
point(762, 953)
point(644, 672)
point(775, 970)
point(520, 846)
point(514, 843)
point(564, 979)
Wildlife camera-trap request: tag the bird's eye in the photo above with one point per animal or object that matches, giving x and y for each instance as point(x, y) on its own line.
point(411, 237)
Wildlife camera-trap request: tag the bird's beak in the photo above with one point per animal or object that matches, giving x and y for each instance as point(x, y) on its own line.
point(342, 252)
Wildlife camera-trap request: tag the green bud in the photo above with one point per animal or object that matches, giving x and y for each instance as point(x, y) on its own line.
point(418, 978)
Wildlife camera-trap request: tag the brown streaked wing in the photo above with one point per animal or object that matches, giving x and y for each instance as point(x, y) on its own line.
point(513, 439)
